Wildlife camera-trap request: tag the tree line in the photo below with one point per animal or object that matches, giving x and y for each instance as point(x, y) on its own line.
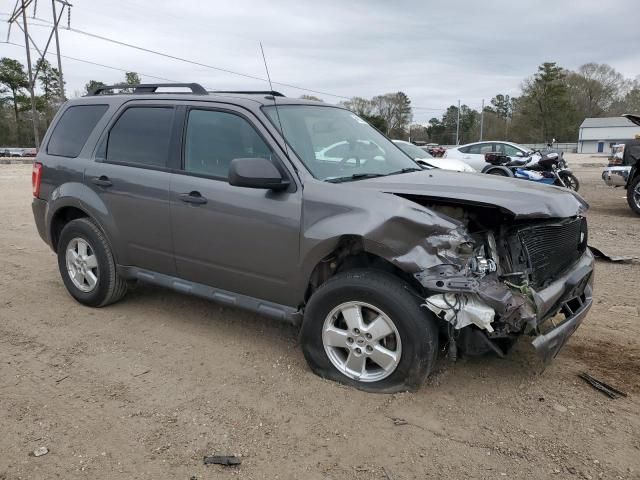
point(552, 103)
point(15, 101)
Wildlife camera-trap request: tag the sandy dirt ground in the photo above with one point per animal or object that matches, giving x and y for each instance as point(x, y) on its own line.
point(147, 387)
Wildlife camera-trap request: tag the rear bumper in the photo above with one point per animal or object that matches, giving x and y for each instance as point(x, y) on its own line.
point(39, 208)
point(572, 295)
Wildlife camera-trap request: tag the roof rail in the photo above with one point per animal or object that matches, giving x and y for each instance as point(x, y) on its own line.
point(196, 88)
point(251, 92)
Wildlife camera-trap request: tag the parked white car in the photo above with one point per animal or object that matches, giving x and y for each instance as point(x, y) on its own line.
point(423, 157)
point(473, 153)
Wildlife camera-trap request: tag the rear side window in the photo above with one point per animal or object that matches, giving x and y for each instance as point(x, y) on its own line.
point(141, 136)
point(73, 129)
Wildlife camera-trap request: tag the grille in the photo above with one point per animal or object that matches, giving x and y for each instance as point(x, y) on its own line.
point(553, 247)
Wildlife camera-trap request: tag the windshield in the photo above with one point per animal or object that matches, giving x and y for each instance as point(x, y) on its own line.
point(336, 144)
point(412, 150)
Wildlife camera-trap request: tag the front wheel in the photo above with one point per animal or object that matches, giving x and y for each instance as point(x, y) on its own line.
point(570, 180)
point(633, 194)
point(366, 328)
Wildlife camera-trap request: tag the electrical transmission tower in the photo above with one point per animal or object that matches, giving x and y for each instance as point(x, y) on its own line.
point(19, 18)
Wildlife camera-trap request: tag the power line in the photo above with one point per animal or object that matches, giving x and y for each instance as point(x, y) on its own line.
point(102, 65)
point(193, 62)
point(200, 64)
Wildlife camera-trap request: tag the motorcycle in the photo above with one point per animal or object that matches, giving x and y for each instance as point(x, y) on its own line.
point(547, 167)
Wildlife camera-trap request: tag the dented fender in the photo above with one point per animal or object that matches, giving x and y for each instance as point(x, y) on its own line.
point(412, 237)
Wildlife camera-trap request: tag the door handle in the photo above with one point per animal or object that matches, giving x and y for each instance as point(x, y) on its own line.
point(102, 181)
point(193, 197)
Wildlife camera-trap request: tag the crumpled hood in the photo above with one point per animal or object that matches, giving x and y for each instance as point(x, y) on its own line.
point(522, 198)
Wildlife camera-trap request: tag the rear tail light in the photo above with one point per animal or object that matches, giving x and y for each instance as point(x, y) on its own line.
point(36, 176)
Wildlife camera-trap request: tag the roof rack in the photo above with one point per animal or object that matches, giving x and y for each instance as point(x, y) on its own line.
point(196, 88)
point(251, 92)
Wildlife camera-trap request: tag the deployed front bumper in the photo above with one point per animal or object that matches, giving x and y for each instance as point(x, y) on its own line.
point(571, 295)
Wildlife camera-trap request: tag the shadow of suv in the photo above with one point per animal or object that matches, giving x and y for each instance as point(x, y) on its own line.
point(227, 195)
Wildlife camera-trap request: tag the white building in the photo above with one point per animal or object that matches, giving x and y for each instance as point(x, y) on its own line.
point(598, 135)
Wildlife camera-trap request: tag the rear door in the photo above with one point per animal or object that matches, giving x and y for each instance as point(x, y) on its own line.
point(474, 154)
point(238, 239)
point(131, 176)
point(509, 150)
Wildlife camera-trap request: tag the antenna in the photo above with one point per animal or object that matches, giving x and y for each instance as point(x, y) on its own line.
point(275, 104)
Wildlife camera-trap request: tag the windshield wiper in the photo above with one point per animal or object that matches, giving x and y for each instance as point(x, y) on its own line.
point(406, 170)
point(355, 176)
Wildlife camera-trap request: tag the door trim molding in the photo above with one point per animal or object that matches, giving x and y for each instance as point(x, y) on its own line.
point(272, 310)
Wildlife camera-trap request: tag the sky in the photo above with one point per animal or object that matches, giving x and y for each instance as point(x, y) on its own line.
point(435, 52)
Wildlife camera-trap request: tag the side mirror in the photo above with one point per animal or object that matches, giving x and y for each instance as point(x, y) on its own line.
point(256, 173)
point(519, 154)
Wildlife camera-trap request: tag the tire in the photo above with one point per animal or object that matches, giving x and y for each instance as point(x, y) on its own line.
point(499, 172)
point(570, 180)
point(633, 194)
point(93, 281)
point(375, 293)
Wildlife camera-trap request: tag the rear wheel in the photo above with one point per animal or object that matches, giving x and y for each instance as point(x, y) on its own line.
point(87, 266)
point(499, 172)
point(633, 194)
point(570, 180)
point(366, 328)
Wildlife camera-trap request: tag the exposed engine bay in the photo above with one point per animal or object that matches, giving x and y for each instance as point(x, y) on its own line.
point(488, 290)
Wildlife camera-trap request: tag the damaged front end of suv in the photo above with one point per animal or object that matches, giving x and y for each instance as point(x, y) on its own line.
point(495, 278)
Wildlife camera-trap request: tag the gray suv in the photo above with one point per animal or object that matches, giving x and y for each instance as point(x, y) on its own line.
point(303, 212)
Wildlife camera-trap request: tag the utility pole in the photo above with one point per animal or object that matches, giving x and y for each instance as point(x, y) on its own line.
point(20, 10)
point(458, 126)
point(56, 20)
point(32, 82)
point(481, 119)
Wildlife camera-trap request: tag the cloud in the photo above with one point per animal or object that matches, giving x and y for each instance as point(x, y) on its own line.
point(436, 53)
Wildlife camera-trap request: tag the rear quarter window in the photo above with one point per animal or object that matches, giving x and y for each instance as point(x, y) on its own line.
point(73, 129)
point(141, 136)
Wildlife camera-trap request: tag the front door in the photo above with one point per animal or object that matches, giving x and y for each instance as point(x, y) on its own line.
point(600, 147)
point(238, 239)
point(131, 177)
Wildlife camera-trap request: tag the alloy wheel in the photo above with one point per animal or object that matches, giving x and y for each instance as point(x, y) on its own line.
point(361, 341)
point(82, 264)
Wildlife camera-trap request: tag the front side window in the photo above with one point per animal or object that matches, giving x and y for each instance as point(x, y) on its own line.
point(73, 129)
point(337, 145)
point(214, 139)
point(141, 136)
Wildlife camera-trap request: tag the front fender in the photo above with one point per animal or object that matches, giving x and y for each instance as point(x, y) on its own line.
point(410, 236)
